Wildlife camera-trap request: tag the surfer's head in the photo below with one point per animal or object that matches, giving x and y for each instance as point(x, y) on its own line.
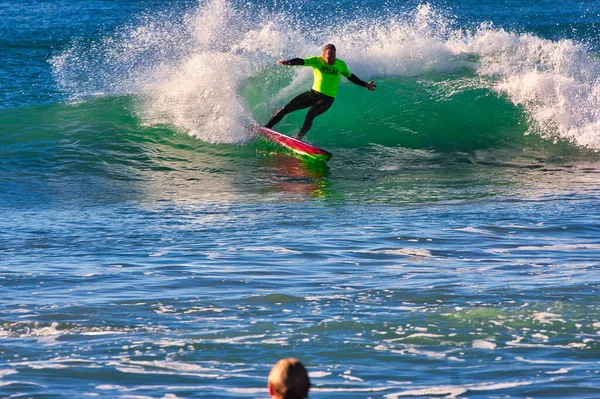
point(288, 379)
point(329, 53)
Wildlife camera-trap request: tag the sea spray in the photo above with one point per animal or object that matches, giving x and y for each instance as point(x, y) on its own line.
point(556, 82)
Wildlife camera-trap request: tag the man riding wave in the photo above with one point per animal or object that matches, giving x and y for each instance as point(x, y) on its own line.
point(327, 70)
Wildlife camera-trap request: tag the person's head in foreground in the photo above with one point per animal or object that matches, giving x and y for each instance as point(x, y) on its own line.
point(288, 379)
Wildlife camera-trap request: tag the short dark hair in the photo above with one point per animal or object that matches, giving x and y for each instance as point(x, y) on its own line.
point(329, 47)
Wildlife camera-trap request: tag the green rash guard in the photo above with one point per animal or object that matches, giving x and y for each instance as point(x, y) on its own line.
point(327, 77)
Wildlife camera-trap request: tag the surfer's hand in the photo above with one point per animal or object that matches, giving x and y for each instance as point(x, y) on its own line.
point(371, 86)
point(284, 62)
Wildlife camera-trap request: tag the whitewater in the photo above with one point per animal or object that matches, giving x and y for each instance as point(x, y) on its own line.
point(192, 71)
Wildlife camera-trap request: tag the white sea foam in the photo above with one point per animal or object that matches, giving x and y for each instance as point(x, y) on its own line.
point(270, 249)
point(351, 378)
point(165, 343)
point(245, 338)
point(348, 390)
point(110, 387)
point(6, 372)
point(205, 309)
point(448, 391)
point(559, 371)
point(453, 391)
point(318, 374)
point(20, 310)
point(473, 230)
point(177, 366)
point(199, 96)
point(547, 318)
point(413, 252)
point(483, 344)
point(429, 354)
point(540, 336)
point(423, 335)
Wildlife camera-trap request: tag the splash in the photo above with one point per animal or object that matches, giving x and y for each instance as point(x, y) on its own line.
point(191, 70)
point(558, 83)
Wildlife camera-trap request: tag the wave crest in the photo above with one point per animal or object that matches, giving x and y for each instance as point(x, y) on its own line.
point(190, 70)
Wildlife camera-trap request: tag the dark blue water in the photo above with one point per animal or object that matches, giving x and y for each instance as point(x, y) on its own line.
point(151, 248)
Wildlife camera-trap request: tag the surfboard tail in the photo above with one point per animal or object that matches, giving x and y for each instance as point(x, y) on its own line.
point(304, 150)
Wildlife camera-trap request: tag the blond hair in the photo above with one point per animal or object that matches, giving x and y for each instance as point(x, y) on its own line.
point(328, 46)
point(289, 379)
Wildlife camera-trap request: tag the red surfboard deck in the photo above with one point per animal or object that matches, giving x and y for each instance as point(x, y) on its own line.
point(305, 150)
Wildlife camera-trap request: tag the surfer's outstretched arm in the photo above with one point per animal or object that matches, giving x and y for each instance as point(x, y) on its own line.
point(293, 61)
point(370, 85)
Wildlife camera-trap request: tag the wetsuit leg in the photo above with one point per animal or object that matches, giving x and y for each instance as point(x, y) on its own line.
point(301, 101)
point(323, 103)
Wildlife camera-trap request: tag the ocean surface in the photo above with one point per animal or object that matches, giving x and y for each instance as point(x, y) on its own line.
point(151, 247)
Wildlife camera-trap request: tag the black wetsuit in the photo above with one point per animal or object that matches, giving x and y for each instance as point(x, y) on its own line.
point(317, 102)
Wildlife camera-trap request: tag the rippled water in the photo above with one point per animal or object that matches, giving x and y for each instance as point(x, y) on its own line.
point(470, 298)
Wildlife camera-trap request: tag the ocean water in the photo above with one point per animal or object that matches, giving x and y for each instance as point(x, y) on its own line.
point(150, 247)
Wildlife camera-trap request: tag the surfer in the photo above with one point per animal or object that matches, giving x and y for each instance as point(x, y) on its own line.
point(327, 71)
point(288, 379)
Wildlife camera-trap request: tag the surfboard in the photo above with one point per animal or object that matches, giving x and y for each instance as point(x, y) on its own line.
point(303, 150)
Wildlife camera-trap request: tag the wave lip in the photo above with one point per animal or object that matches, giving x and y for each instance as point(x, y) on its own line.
point(557, 83)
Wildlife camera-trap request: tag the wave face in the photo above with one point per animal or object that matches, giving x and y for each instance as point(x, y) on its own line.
point(210, 71)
